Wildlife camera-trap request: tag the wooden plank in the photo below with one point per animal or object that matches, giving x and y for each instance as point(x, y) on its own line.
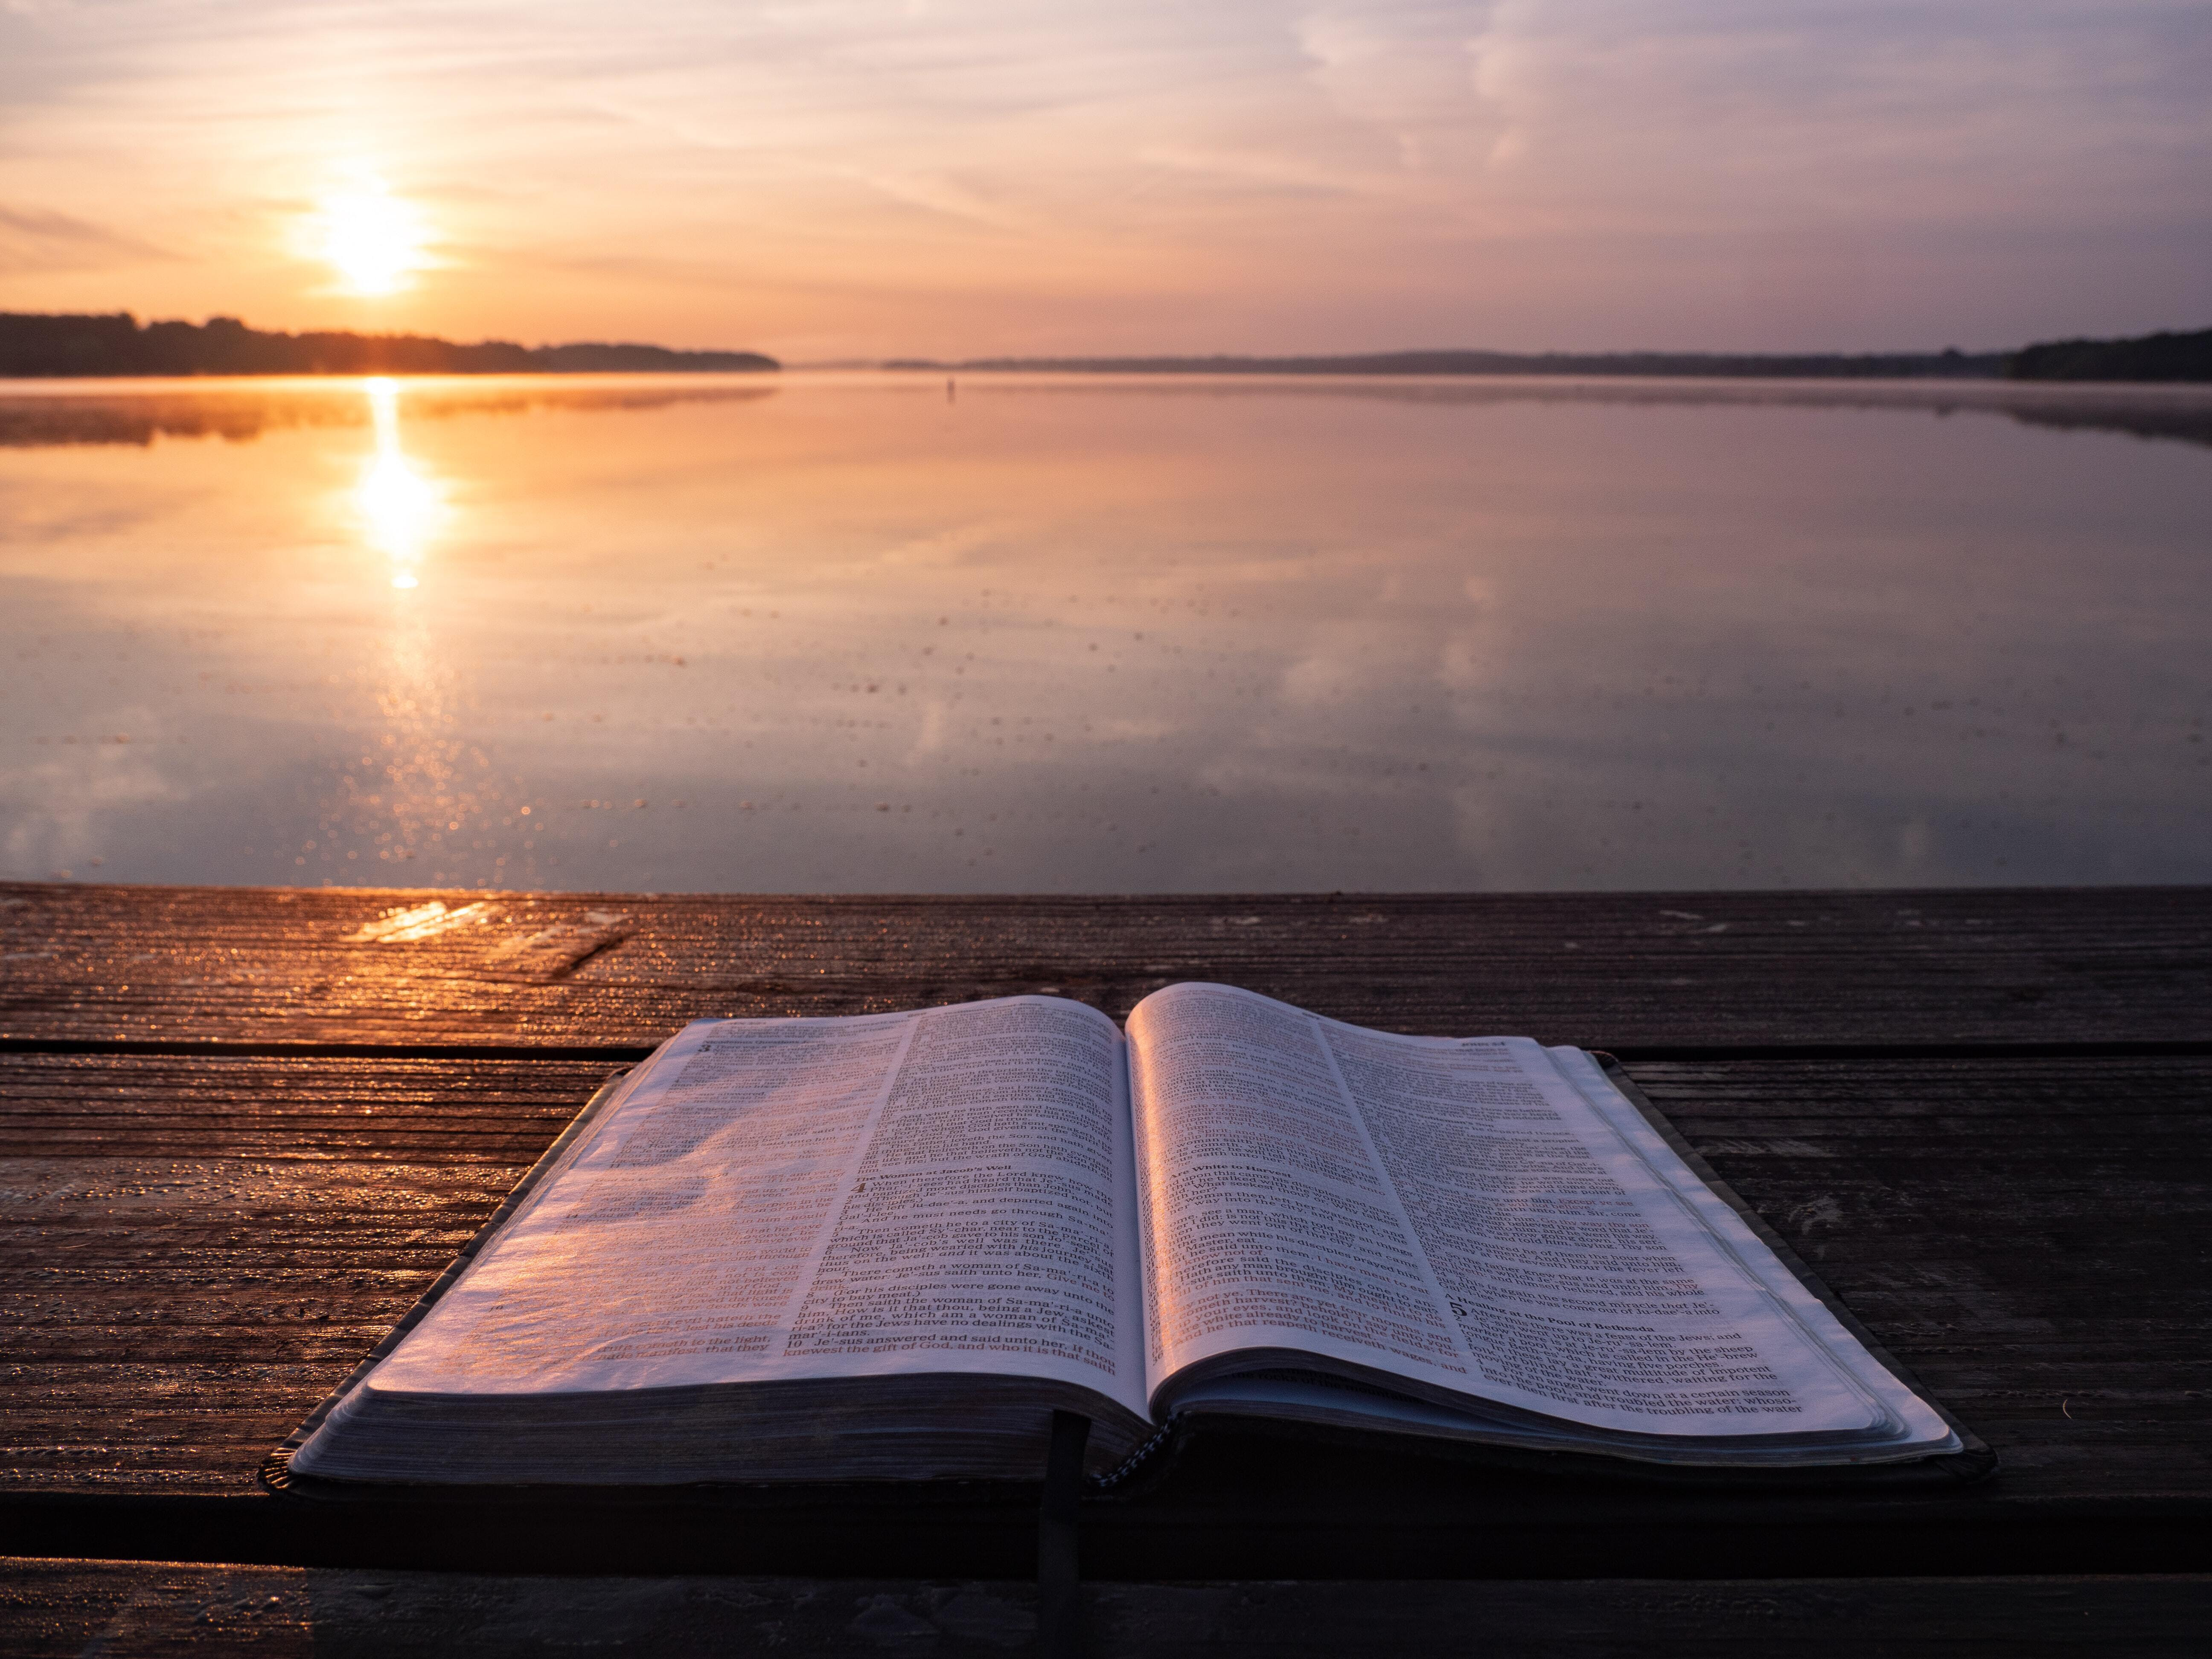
point(191, 1252)
point(121, 1608)
point(193, 1249)
point(2033, 1237)
point(1626, 971)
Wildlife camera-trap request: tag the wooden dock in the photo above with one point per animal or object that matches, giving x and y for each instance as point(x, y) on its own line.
point(245, 1128)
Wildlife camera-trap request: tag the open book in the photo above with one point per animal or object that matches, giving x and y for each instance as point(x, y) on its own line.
point(889, 1246)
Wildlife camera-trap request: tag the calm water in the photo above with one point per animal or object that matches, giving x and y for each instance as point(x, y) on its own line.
point(853, 633)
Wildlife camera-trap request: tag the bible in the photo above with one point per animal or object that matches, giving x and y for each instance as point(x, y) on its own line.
point(889, 1247)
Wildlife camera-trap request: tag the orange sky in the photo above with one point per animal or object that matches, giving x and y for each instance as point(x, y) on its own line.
point(863, 178)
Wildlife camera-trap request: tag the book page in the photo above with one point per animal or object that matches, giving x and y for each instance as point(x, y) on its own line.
point(1453, 1212)
point(941, 1191)
point(1265, 1220)
point(1919, 1421)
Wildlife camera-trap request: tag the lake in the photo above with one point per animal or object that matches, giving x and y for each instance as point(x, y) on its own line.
point(836, 633)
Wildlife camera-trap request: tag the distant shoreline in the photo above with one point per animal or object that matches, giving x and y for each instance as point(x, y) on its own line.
point(38, 346)
point(2167, 358)
point(1671, 365)
point(74, 346)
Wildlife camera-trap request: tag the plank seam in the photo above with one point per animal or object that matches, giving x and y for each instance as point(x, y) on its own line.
point(1628, 1054)
point(219, 1049)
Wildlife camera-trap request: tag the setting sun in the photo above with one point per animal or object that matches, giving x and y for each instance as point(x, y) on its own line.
point(372, 239)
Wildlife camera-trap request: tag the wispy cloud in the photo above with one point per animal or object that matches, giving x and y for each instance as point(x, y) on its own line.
point(1007, 174)
point(32, 239)
point(1404, 68)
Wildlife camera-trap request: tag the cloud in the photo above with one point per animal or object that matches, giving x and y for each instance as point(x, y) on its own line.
point(936, 193)
point(1406, 70)
point(1276, 174)
point(1716, 113)
point(31, 240)
point(972, 176)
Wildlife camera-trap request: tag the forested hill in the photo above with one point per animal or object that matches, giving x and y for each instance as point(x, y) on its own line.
point(2171, 357)
point(1956, 365)
point(42, 346)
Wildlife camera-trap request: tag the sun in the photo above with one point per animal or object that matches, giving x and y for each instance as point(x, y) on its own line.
point(372, 239)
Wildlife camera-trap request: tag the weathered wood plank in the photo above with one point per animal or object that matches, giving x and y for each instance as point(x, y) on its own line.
point(193, 1249)
point(1619, 970)
point(2033, 1237)
point(189, 1250)
point(124, 1608)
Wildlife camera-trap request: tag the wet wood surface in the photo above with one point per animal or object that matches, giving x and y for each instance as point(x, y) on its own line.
point(196, 1247)
point(240, 1131)
point(1622, 971)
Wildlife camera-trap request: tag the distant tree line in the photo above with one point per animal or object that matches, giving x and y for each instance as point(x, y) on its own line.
point(2153, 357)
point(39, 346)
point(34, 346)
point(2146, 357)
point(1888, 366)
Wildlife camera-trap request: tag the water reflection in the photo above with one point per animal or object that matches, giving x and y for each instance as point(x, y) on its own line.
point(421, 789)
point(39, 416)
point(1069, 635)
point(421, 796)
point(42, 414)
point(400, 508)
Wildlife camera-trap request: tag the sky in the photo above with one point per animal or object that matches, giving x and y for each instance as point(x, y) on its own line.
point(858, 178)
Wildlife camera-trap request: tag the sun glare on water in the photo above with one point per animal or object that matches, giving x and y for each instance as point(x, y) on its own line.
point(400, 509)
point(372, 239)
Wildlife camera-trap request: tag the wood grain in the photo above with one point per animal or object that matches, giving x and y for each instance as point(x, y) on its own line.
point(1626, 971)
point(192, 1250)
point(122, 1609)
point(2033, 1237)
point(2003, 1161)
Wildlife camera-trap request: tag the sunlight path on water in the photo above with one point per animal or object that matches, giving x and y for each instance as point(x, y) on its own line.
point(850, 633)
